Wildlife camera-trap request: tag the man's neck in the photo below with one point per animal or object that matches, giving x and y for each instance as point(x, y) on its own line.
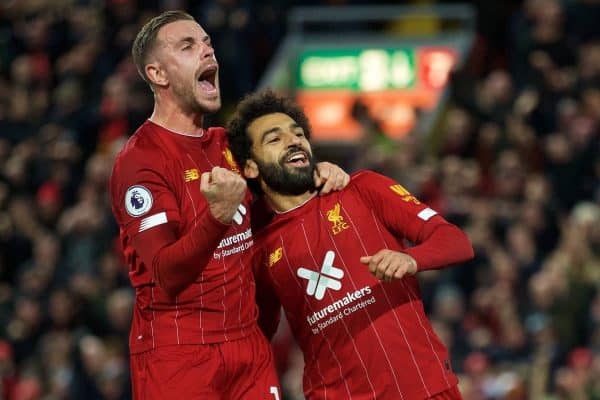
point(282, 203)
point(170, 116)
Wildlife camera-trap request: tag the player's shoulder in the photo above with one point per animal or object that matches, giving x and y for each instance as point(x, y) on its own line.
point(217, 136)
point(367, 177)
point(217, 132)
point(143, 147)
point(142, 152)
point(367, 183)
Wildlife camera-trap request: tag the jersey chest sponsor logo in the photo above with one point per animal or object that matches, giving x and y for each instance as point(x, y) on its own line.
point(329, 277)
point(234, 244)
point(238, 242)
point(404, 194)
point(338, 223)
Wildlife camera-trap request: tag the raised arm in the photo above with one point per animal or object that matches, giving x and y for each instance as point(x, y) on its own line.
point(146, 208)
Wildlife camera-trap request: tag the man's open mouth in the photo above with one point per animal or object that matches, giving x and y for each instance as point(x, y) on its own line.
point(207, 78)
point(298, 159)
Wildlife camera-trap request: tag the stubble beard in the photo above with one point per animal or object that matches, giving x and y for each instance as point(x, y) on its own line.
point(189, 103)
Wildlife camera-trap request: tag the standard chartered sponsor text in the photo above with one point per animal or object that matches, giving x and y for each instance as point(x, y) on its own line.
point(346, 306)
point(237, 238)
point(242, 241)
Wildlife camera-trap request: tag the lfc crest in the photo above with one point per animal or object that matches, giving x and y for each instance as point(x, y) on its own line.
point(336, 219)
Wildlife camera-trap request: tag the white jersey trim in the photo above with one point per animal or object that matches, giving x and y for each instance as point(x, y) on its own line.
point(426, 214)
point(153, 220)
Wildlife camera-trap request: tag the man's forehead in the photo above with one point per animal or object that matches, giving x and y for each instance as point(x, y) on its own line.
point(175, 31)
point(260, 127)
point(272, 120)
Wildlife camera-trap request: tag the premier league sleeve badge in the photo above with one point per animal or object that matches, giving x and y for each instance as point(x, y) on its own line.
point(138, 200)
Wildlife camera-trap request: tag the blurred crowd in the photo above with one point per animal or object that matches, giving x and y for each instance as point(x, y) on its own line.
point(69, 98)
point(514, 161)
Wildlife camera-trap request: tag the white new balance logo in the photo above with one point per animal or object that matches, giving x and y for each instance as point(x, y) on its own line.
point(238, 217)
point(329, 277)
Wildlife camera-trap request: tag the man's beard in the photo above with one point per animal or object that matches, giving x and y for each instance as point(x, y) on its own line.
point(187, 100)
point(282, 180)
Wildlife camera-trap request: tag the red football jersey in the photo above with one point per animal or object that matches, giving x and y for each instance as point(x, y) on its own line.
point(156, 199)
point(361, 338)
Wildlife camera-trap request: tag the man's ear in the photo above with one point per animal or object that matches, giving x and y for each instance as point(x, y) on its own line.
point(156, 74)
point(251, 169)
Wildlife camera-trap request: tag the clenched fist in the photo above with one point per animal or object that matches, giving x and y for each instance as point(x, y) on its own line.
point(224, 190)
point(388, 264)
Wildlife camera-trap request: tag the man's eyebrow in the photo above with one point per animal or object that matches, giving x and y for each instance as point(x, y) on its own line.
point(268, 131)
point(191, 39)
point(187, 39)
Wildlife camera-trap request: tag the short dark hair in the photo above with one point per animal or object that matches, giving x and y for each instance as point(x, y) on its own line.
point(256, 105)
point(145, 40)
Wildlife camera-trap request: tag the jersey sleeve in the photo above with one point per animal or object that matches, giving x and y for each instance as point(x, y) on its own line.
point(141, 196)
point(438, 243)
point(145, 206)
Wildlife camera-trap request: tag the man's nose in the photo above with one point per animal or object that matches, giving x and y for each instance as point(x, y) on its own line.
point(208, 51)
point(293, 140)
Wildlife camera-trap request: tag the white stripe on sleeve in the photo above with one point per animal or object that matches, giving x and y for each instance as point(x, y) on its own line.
point(426, 213)
point(153, 220)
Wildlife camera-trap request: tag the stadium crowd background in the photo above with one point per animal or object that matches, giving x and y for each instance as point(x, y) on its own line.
point(517, 167)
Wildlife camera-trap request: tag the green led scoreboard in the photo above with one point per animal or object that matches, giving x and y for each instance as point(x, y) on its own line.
point(392, 82)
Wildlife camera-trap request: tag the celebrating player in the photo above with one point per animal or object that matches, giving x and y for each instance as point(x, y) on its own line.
point(339, 266)
point(183, 211)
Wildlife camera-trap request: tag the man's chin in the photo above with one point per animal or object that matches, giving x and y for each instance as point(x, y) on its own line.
point(300, 171)
point(285, 179)
point(213, 106)
point(303, 176)
point(209, 104)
